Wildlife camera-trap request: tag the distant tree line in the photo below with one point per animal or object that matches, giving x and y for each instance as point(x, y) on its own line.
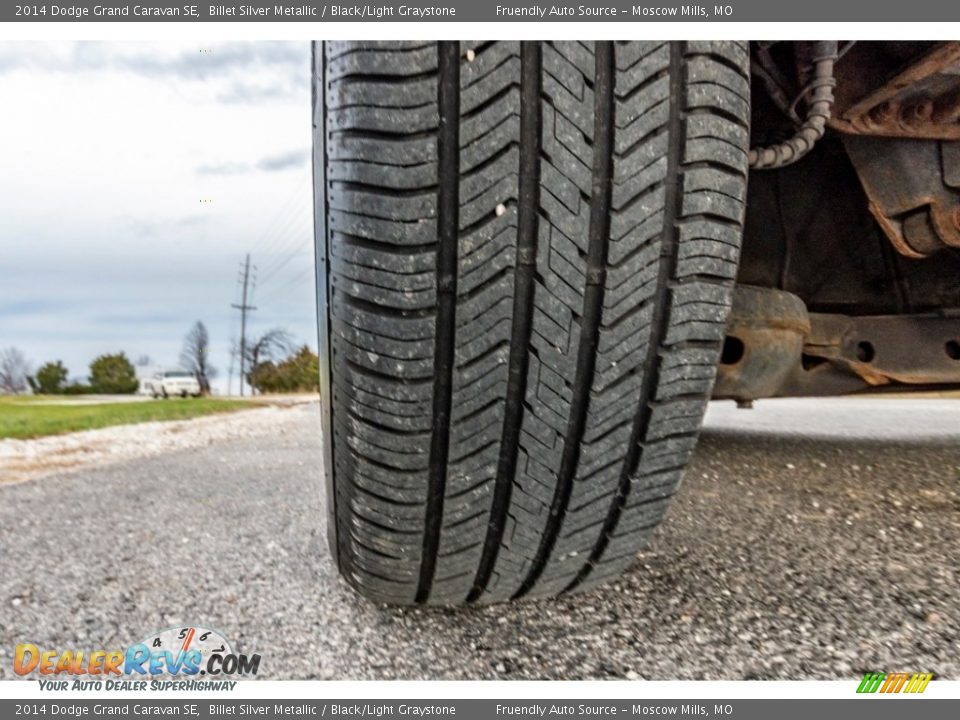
point(110, 374)
point(277, 365)
point(274, 363)
point(298, 373)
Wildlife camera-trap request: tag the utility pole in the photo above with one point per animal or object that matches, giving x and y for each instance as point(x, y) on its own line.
point(230, 376)
point(243, 307)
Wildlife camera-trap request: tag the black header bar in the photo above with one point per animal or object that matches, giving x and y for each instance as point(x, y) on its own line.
point(639, 11)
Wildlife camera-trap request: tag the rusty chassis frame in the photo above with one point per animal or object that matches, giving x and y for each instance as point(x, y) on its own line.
point(896, 121)
point(775, 348)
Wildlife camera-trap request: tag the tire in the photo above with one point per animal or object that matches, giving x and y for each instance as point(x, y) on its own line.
point(529, 251)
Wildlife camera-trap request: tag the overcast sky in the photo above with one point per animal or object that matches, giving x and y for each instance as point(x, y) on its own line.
point(133, 179)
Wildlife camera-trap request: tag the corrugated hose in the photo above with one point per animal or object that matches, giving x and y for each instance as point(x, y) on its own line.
point(820, 92)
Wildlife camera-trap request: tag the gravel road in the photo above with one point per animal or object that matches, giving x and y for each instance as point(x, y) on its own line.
point(811, 539)
point(22, 460)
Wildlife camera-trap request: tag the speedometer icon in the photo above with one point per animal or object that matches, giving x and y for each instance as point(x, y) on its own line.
point(184, 642)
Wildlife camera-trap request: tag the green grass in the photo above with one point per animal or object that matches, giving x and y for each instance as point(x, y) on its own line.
point(33, 417)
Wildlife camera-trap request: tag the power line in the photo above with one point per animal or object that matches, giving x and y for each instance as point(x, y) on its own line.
point(273, 273)
point(298, 235)
point(291, 283)
point(275, 239)
point(268, 236)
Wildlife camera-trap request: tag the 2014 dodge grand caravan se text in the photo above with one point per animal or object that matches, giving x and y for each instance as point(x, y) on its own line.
point(542, 260)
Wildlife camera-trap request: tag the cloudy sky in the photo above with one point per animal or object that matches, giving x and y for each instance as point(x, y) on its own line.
point(134, 178)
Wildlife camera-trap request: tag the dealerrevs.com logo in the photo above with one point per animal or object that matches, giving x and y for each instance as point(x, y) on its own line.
point(176, 658)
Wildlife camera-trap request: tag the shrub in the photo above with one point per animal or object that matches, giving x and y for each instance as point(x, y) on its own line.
point(113, 374)
point(50, 378)
point(298, 373)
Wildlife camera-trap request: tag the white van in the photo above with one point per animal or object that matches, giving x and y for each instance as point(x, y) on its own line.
point(173, 383)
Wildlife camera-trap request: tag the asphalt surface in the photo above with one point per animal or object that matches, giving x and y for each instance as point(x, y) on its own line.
point(811, 539)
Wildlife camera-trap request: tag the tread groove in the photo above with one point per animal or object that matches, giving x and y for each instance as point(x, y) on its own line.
point(598, 239)
point(522, 323)
point(448, 221)
point(661, 315)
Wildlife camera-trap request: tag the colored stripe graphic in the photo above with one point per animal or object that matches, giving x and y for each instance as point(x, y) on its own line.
point(871, 682)
point(894, 682)
point(918, 683)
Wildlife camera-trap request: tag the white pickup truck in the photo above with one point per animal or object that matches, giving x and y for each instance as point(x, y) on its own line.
point(173, 383)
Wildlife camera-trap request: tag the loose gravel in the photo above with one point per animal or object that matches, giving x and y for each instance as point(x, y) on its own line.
point(811, 539)
point(35, 458)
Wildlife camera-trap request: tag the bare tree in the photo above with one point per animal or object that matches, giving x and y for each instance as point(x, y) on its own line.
point(14, 371)
point(273, 344)
point(195, 356)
